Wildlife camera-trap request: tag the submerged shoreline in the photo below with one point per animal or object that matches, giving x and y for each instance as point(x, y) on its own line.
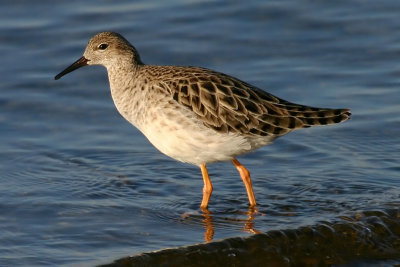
point(368, 235)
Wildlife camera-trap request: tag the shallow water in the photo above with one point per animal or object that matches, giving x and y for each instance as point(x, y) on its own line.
point(79, 185)
point(366, 239)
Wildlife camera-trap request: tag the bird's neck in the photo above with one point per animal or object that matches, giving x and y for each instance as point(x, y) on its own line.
point(121, 72)
point(123, 85)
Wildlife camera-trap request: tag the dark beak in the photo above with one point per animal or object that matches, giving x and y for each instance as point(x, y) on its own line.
point(76, 65)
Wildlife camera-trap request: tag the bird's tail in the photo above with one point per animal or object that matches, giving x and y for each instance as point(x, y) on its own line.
point(310, 116)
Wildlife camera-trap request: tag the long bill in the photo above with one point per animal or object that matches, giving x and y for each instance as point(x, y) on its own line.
point(76, 65)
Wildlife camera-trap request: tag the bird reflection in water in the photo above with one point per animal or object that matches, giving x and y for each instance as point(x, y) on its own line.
point(209, 225)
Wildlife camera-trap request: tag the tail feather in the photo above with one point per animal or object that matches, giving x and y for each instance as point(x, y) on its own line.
point(322, 116)
point(281, 124)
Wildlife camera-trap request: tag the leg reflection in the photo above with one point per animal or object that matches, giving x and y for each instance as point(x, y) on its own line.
point(248, 225)
point(208, 225)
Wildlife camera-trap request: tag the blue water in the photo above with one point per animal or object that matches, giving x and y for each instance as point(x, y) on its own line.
point(81, 186)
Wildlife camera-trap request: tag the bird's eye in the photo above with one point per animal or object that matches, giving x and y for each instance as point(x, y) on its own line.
point(102, 46)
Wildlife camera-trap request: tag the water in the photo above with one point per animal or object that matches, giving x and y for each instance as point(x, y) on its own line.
point(367, 239)
point(80, 186)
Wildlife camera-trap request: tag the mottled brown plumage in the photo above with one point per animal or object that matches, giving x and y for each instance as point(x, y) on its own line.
point(227, 104)
point(194, 114)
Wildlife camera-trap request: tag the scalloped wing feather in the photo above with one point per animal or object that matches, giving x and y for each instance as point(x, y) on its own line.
point(227, 104)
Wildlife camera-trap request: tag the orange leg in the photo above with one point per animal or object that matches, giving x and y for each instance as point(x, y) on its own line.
point(207, 189)
point(245, 175)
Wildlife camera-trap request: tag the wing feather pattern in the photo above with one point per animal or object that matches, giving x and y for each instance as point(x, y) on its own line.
point(227, 104)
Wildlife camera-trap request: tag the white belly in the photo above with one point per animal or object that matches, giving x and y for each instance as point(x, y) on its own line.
point(179, 133)
point(185, 138)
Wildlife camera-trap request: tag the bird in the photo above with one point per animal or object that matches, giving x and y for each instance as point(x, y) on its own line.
point(197, 115)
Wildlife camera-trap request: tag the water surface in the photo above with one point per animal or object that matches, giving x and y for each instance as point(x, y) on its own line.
point(79, 185)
